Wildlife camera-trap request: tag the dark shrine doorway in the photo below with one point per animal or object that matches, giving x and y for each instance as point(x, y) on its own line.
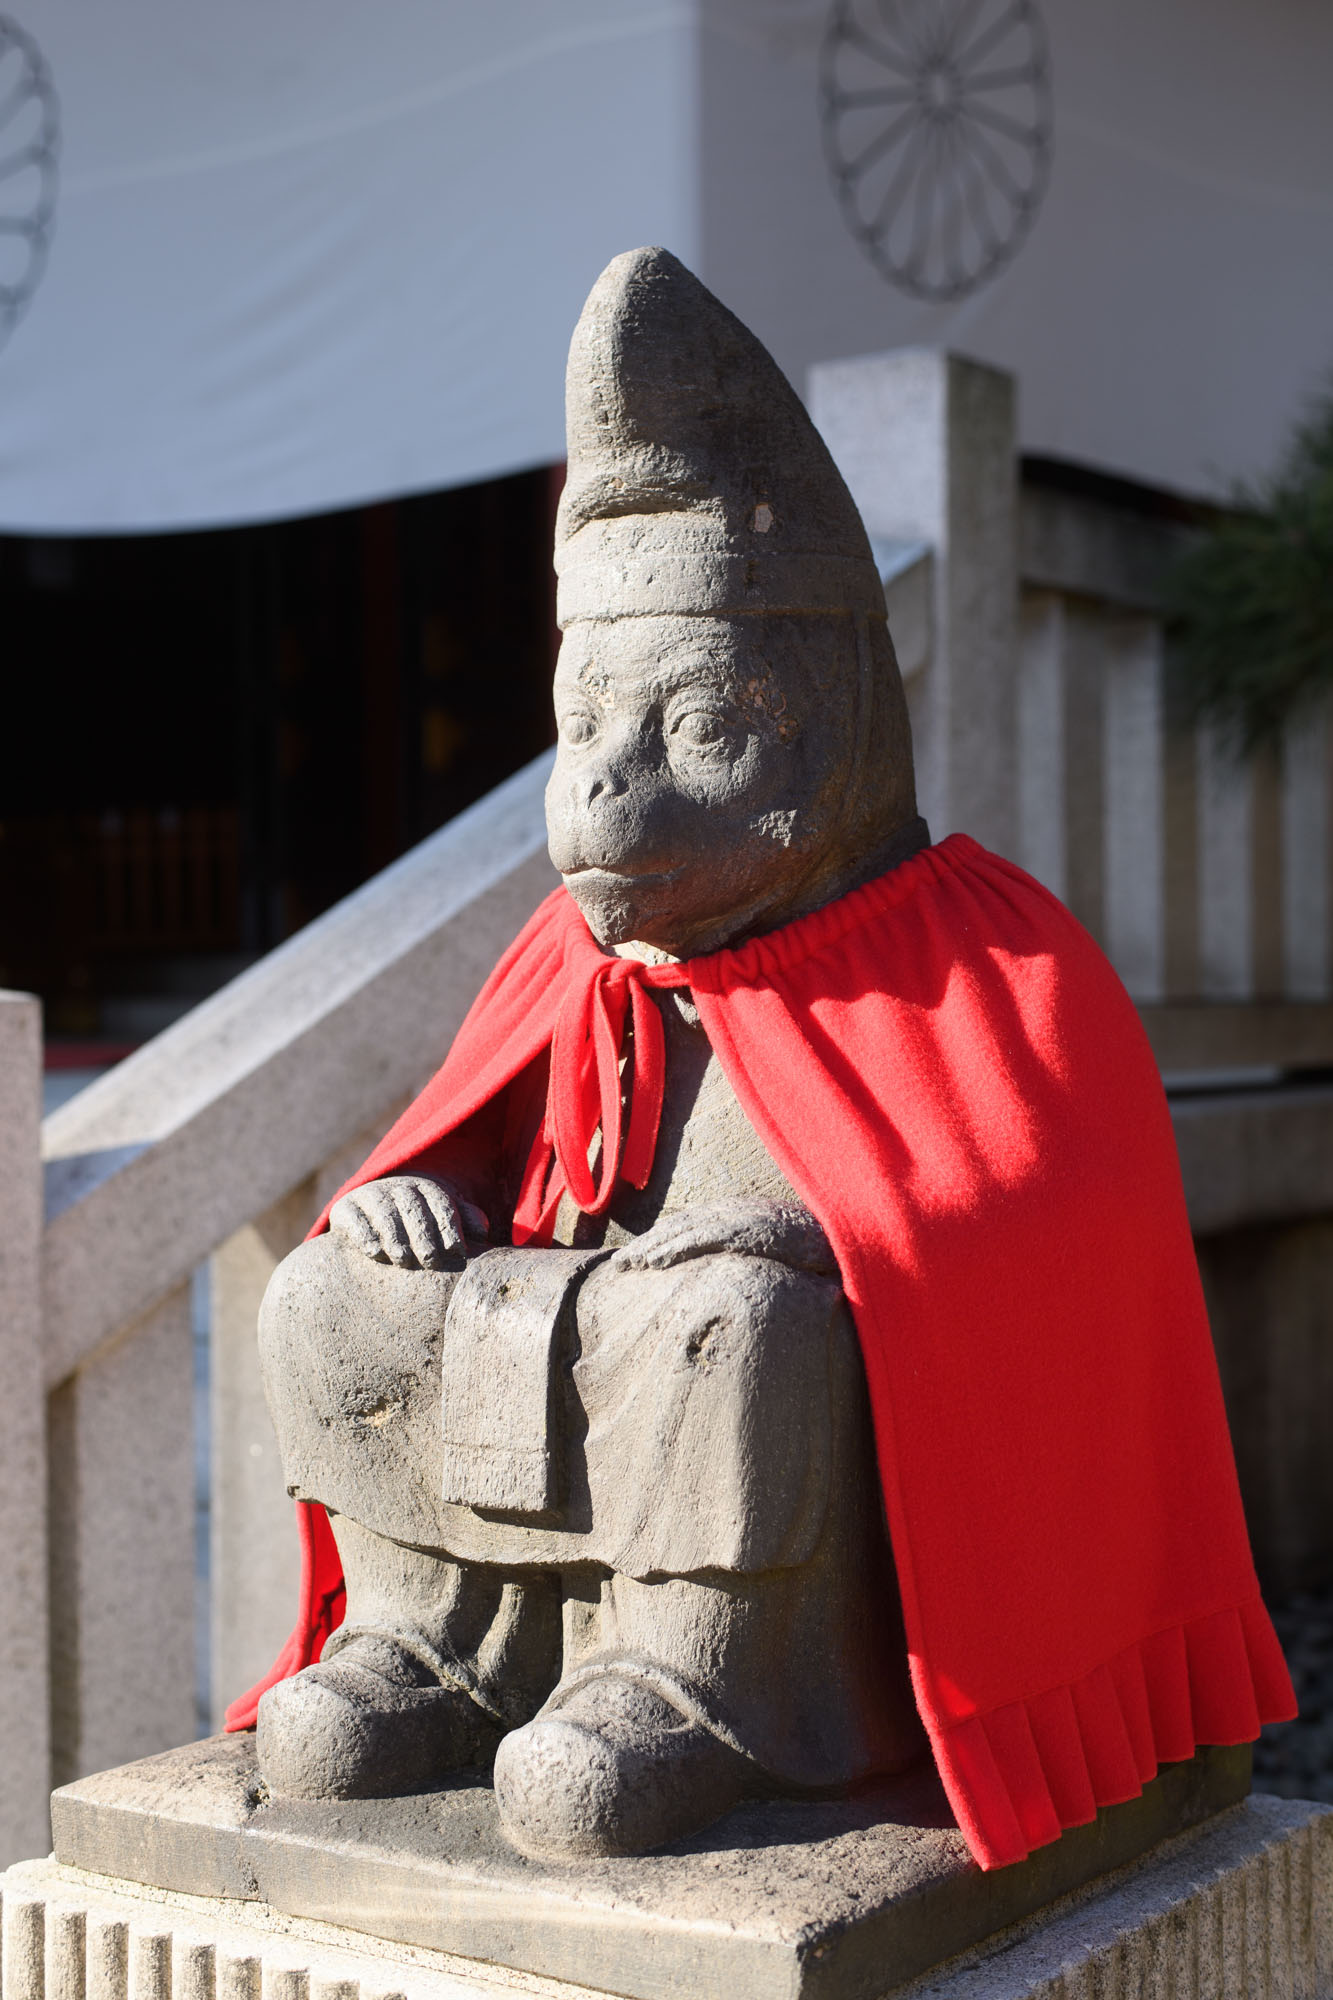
point(210, 737)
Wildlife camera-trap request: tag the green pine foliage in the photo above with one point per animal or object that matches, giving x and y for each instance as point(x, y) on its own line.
point(1251, 604)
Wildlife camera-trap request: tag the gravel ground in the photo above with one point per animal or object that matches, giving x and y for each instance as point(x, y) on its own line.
point(1295, 1759)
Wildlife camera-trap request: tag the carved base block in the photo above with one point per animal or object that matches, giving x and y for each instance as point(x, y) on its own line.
point(783, 1900)
point(1241, 1909)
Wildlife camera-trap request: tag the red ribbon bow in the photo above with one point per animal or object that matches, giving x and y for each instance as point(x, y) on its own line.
point(585, 1095)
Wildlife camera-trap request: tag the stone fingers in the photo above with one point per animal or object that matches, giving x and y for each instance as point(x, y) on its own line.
point(392, 1222)
point(404, 1224)
point(348, 1219)
point(445, 1214)
point(430, 1235)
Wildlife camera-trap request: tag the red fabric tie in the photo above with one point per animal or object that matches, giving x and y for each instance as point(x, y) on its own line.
point(585, 1095)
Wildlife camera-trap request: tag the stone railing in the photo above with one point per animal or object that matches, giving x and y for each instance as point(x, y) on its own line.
point(1205, 875)
point(1027, 623)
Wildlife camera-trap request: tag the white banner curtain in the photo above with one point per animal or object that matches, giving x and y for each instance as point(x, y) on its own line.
point(310, 253)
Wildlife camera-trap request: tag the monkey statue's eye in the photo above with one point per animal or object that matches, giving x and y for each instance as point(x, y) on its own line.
point(702, 729)
point(579, 726)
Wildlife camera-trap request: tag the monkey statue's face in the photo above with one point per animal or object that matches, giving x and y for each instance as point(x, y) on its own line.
point(702, 772)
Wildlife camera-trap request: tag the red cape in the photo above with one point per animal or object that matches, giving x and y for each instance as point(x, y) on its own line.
point(955, 1082)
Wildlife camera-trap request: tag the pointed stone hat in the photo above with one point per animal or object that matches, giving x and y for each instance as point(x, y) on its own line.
point(697, 483)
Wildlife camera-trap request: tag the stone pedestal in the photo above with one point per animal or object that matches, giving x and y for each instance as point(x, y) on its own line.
point(1240, 1909)
point(177, 1878)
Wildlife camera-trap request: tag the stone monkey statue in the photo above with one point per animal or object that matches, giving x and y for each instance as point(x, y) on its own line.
point(585, 1387)
point(707, 1609)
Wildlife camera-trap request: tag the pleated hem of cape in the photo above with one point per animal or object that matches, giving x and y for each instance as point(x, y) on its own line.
point(1019, 1775)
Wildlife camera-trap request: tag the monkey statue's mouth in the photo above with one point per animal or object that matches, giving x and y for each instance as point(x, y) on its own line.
point(642, 878)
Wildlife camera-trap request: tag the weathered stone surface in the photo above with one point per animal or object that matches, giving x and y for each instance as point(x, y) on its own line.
point(122, 1533)
point(1255, 1157)
point(697, 482)
point(1244, 1912)
point(501, 1442)
point(24, 1703)
point(254, 1558)
point(886, 417)
point(144, 1819)
point(845, 1897)
point(1279, 1390)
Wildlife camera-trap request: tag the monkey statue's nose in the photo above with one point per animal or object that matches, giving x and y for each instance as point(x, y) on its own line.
point(605, 782)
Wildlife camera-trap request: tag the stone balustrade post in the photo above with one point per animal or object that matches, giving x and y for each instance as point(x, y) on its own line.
point(926, 442)
point(122, 1528)
point(254, 1567)
point(25, 1755)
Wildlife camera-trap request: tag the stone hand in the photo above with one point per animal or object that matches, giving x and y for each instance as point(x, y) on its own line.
point(785, 1232)
point(409, 1220)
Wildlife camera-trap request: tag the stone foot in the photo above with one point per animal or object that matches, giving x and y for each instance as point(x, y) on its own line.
point(613, 1765)
point(373, 1722)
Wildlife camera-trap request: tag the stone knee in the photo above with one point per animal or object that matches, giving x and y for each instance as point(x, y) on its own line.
point(711, 1397)
point(350, 1351)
